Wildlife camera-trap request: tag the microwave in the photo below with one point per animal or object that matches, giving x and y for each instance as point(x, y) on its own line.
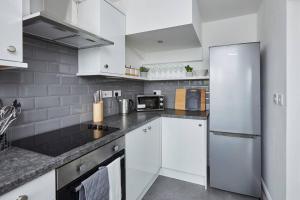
point(150, 102)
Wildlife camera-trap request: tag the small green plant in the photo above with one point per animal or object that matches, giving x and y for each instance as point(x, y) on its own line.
point(188, 68)
point(144, 69)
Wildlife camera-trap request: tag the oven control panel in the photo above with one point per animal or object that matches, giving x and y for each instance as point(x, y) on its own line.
point(73, 170)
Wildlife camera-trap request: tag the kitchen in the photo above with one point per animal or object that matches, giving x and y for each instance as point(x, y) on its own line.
point(134, 99)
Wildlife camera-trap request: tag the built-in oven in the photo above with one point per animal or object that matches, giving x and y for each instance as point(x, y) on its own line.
point(150, 102)
point(70, 176)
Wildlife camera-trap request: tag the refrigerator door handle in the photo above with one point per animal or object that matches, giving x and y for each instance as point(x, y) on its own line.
point(240, 135)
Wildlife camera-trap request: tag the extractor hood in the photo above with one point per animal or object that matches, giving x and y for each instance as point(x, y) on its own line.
point(45, 27)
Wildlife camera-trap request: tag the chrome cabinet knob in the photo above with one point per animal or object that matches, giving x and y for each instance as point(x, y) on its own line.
point(11, 49)
point(106, 66)
point(116, 148)
point(145, 130)
point(149, 127)
point(200, 125)
point(82, 168)
point(22, 197)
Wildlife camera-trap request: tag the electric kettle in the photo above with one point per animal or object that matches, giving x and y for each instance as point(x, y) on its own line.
point(125, 106)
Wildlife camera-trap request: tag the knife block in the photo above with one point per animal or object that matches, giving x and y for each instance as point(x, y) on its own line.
point(98, 111)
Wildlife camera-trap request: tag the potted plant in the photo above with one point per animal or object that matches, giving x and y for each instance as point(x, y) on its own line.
point(189, 71)
point(144, 71)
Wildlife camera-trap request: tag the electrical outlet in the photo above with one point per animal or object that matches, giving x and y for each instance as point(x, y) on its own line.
point(117, 93)
point(106, 94)
point(157, 92)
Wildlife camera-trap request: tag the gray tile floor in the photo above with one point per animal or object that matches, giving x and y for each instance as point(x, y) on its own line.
point(171, 189)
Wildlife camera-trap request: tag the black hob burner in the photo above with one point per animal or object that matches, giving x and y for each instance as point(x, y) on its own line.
point(57, 142)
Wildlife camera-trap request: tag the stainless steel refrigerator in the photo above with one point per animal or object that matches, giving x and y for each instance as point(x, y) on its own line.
point(235, 119)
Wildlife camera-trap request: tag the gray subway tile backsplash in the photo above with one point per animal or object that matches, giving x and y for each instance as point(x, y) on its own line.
point(57, 112)
point(30, 90)
point(52, 96)
point(48, 125)
point(58, 90)
point(168, 89)
point(47, 102)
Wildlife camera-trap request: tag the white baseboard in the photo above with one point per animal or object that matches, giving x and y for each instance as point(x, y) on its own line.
point(266, 194)
point(192, 178)
point(148, 187)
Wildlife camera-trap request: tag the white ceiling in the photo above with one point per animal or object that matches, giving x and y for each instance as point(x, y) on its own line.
point(212, 10)
point(179, 37)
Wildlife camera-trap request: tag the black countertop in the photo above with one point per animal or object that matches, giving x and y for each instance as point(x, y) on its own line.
point(19, 166)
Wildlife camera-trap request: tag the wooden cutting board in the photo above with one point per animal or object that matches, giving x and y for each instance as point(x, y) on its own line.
point(203, 100)
point(180, 99)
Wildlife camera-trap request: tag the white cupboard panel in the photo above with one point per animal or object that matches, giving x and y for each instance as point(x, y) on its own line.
point(137, 175)
point(41, 188)
point(113, 27)
point(143, 159)
point(11, 41)
point(184, 148)
point(89, 15)
point(109, 24)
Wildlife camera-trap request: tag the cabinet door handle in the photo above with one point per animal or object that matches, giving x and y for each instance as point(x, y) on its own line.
point(106, 66)
point(149, 127)
point(11, 49)
point(145, 130)
point(200, 125)
point(22, 197)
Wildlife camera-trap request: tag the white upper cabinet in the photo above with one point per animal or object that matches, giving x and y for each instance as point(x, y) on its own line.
point(11, 40)
point(89, 16)
point(103, 19)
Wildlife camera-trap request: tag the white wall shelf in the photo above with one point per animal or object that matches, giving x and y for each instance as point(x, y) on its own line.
point(142, 78)
point(4, 64)
point(181, 78)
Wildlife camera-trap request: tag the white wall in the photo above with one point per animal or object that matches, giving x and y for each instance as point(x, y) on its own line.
point(242, 29)
point(145, 15)
point(293, 99)
point(228, 31)
point(272, 33)
point(197, 19)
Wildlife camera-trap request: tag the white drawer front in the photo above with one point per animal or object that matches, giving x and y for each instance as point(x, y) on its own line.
point(42, 188)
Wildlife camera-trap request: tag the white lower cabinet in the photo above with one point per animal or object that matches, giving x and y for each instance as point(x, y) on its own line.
point(184, 149)
point(42, 188)
point(143, 159)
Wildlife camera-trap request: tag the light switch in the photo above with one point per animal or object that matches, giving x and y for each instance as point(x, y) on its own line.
point(275, 98)
point(281, 99)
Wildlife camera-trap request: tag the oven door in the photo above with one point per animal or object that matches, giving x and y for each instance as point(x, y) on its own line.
point(70, 191)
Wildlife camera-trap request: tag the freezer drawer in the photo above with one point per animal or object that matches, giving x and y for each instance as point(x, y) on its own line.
point(235, 163)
